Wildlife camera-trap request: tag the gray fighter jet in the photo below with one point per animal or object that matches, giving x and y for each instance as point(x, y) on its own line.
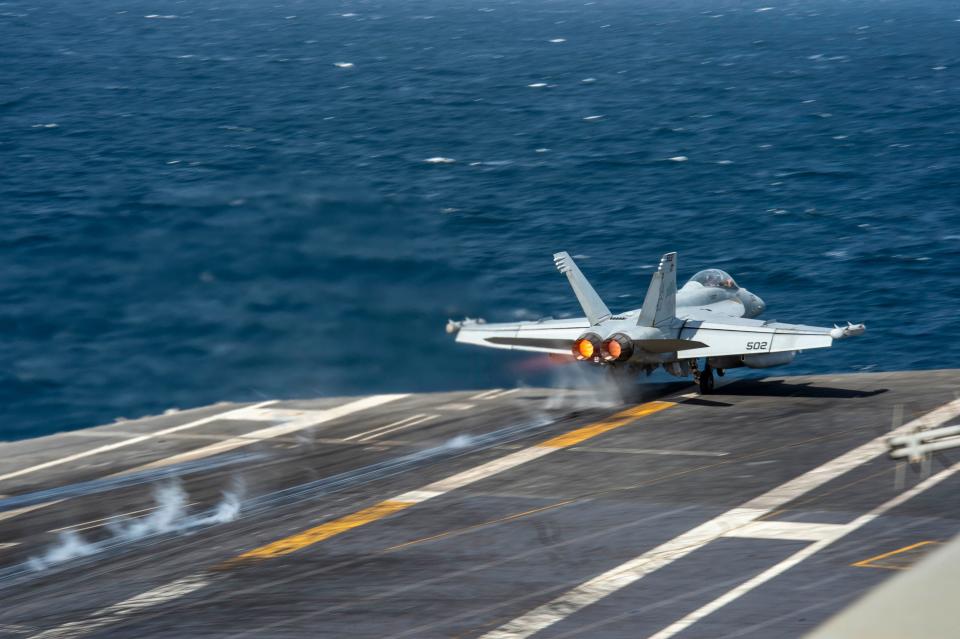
point(710, 319)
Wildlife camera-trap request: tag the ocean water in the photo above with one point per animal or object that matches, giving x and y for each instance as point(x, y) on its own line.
point(240, 200)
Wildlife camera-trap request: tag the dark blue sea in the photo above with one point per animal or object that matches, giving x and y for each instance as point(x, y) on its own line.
point(237, 200)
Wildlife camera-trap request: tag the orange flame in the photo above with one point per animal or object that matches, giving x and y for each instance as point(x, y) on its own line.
point(585, 348)
point(614, 348)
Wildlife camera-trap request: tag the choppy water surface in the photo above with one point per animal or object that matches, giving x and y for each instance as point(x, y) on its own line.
point(237, 200)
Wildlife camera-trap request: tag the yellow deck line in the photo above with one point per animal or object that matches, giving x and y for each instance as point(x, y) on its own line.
point(326, 530)
point(616, 421)
point(870, 562)
point(388, 507)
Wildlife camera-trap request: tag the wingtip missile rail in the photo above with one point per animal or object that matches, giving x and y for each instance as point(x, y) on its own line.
point(850, 330)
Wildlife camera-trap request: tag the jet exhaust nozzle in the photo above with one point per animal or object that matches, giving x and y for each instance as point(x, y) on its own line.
point(588, 347)
point(617, 348)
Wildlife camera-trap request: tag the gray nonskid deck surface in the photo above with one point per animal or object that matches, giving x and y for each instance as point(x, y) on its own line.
point(470, 560)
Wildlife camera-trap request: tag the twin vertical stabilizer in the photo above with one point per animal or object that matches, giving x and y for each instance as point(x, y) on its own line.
point(594, 308)
point(659, 306)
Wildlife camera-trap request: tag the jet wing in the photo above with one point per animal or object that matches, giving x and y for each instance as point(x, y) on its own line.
point(542, 336)
point(739, 336)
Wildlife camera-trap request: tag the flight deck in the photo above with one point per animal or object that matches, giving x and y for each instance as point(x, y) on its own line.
point(757, 511)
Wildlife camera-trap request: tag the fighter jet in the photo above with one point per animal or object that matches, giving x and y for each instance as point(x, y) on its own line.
point(707, 326)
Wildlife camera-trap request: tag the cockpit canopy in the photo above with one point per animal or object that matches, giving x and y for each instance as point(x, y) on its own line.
point(715, 278)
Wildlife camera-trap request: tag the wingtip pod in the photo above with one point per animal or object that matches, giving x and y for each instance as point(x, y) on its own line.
point(850, 330)
point(454, 326)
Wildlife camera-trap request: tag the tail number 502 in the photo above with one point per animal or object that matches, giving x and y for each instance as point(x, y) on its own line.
point(757, 346)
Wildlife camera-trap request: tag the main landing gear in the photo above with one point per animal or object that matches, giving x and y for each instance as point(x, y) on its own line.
point(706, 380)
point(703, 378)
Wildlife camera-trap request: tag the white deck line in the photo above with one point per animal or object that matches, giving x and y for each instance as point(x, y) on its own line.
point(485, 394)
point(376, 431)
point(237, 413)
point(473, 475)
point(650, 451)
point(635, 569)
point(96, 523)
point(112, 614)
point(791, 530)
point(386, 431)
point(16, 512)
point(455, 406)
point(500, 394)
point(794, 559)
point(308, 420)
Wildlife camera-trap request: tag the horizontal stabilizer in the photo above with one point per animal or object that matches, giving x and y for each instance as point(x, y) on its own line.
point(593, 307)
point(667, 345)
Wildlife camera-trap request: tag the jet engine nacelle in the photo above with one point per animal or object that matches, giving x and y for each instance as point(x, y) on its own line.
point(619, 346)
point(768, 360)
point(628, 342)
point(588, 347)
